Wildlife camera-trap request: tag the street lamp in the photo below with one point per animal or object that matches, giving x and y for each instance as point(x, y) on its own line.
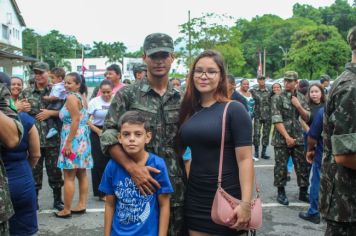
point(285, 53)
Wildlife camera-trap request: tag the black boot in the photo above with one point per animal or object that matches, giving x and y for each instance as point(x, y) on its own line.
point(256, 153)
point(281, 197)
point(303, 194)
point(57, 199)
point(263, 153)
point(38, 207)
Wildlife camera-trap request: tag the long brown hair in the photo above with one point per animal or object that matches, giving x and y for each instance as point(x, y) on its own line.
point(191, 100)
point(322, 98)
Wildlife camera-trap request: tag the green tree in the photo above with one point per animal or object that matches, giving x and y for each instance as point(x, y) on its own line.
point(341, 15)
point(317, 50)
point(113, 51)
point(30, 42)
point(207, 32)
point(135, 54)
point(307, 11)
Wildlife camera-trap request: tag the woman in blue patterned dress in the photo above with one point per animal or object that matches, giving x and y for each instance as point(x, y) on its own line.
point(75, 156)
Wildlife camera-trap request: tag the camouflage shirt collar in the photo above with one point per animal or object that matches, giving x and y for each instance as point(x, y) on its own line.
point(351, 67)
point(265, 89)
point(146, 87)
point(36, 89)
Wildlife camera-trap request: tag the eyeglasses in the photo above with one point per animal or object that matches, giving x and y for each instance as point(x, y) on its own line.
point(209, 74)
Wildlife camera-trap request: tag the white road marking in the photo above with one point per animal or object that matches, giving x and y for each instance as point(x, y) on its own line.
point(264, 205)
point(264, 166)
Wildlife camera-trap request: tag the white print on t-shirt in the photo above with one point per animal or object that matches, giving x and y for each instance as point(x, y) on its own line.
point(132, 207)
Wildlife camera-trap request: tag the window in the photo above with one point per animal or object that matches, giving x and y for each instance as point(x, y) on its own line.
point(92, 67)
point(79, 68)
point(5, 32)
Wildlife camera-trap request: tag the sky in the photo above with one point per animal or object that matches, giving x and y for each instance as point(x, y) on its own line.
point(130, 21)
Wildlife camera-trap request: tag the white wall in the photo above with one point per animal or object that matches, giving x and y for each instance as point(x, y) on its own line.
point(9, 18)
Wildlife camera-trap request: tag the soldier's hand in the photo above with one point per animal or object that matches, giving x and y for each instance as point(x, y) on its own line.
point(310, 156)
point(143, 179)
point(295, 101)
point(43, 115)
point(291, 142)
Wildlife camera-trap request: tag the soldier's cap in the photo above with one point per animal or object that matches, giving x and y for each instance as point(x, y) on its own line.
point(291, 75)
point(138, 67)
point(351, 38)
point(158, 42)
point(41, 66)
point(325, 78)
point(261, 78)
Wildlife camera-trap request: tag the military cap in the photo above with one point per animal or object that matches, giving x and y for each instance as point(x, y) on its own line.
point(324, 78)
point(291, 75)
point(138, 67)
point(351, 38)
point(41, 66)
point(158, 42)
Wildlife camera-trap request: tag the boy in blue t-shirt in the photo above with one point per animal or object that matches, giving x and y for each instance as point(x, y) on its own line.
point(127, 211)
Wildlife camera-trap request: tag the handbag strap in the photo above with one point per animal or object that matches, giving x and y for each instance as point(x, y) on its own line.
point(223, 125)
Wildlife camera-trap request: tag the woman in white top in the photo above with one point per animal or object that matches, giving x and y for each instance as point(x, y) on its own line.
point(98, 107)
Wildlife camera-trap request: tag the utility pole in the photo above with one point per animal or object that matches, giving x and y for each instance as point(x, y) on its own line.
point(264, 62)
point(285, 52)
point(189, 40)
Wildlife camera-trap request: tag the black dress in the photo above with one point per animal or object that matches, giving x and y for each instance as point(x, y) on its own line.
point(202, 133)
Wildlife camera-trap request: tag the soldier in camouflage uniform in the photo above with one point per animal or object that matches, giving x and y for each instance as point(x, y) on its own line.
point(288, 140)
point(157, 99)
point(49, 147)
point(10, 135)
point(262, 117)
point(139, 71)
point(337, 198)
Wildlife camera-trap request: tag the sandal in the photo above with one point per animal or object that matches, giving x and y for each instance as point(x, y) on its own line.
point(78, 212)
point(62, 216)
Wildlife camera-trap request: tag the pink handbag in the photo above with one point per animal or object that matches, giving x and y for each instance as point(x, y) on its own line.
point(222, 210)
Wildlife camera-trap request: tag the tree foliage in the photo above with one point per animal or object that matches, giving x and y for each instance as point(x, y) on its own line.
point(318, 50)
point(206, 33)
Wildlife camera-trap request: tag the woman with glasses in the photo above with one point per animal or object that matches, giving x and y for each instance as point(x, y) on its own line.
point(200, 120)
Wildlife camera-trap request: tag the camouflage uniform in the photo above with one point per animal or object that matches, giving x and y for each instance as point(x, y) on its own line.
point(49, 147)
point(337, 198)
point(162, 114)
point(262, 116)
point(283, 111)
point(6, 210)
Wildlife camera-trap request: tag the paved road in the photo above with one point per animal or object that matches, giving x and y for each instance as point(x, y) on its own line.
point(277, 219)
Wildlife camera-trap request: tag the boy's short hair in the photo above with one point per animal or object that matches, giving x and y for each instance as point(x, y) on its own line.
point(135, 118)
point(59, 72)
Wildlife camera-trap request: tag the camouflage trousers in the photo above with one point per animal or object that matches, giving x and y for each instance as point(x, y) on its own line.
point(300, 165)
point(4, 229)
point(340, 229)
point(176, 222)
point(50, 156)
point(266, 129)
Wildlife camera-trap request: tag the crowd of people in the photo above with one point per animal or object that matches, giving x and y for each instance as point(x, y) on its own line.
point(153, 147)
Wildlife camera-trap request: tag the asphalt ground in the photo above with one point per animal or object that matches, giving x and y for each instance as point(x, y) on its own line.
point(277, 219)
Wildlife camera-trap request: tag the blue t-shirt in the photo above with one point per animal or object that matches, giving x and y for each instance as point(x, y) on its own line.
point(315, 131)
point(134, 214)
